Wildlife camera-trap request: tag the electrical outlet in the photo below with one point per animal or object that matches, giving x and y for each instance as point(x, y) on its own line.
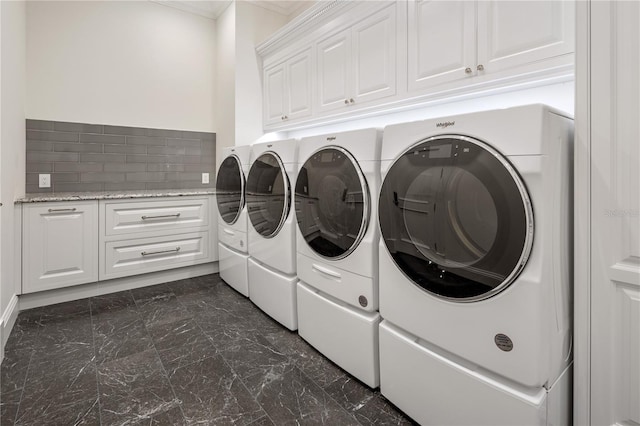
point(205, 178)
point(44, 180)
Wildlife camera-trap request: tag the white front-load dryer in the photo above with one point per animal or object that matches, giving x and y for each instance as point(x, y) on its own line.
point(232, 222)
point(271, 230)
point(337, 245)
point(475, 267)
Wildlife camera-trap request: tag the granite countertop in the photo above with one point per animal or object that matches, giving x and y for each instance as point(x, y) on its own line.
point(112, 195)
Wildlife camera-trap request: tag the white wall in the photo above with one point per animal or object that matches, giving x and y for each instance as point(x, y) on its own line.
point(12, 144)
point(239, 73)
point(254, 24)
point(133, 63)
point(225, 79)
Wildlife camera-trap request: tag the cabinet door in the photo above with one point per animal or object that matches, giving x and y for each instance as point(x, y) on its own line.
point(275, 106)
point(514, 33)
point(60, 245)
point(441, 42)
point(334, 71)
point(299, 86)
point(374, 56)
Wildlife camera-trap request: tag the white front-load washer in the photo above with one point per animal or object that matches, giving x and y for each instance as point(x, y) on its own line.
point(476, 267)
point(232, 223)
point(271, 230)
point(337, 246)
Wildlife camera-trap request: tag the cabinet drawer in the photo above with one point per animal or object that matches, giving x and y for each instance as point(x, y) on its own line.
point(139, 256)
point(155, 216)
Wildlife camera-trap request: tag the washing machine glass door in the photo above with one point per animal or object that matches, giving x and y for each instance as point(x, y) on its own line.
point(230, 189)
point(456, 218)
point(268, 194)
point(332, 202)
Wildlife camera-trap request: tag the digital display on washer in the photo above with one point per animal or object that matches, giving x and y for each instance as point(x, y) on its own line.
point(440, 151)
point(326, 157)
point(459, 228)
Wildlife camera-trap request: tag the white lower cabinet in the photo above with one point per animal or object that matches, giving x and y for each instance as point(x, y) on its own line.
point(60, 245)
point(68, 243)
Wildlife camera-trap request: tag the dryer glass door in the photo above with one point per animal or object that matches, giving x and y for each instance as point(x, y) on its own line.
point(456, 218)
point(230, 189)
point(332, 202)
point(268, 195)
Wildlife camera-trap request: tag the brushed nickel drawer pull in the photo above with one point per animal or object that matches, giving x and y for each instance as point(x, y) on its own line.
point(62, 210)
point(161, 216)
point(150, 253)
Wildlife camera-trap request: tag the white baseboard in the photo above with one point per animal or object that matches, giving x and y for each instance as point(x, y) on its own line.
point(7, 320)
point(50, 297)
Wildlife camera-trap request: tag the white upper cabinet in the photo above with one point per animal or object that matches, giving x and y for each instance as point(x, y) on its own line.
point(274, 94)
point(515, 33)
point(334, 71)
point(358, 65)
point(460, 40)
point(365, 57)
point(374, 56)
point(287, 89)
point(441, 43)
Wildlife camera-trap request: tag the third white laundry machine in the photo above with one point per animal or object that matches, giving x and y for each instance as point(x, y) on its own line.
point(232, 223)
point(272, 230)
point(337, 245)
point(475, 267)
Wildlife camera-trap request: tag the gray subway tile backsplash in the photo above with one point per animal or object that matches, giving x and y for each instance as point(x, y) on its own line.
point(166, 150)
point(125, 167)
point(159, 167)
point(77, 147)
point(40, 124)
point(164, 133)
point(102, 158)
point(40, 167)
point(76, 187)
point(145, 140)
point(123, 130)
point(94, 157)
point(50, 157)
point(75, 167)
point(187, 143)
point(110, 139)
point(39, 146)
point(61, 126)
point(102, 177)
point(125, 149)
point(41, 135)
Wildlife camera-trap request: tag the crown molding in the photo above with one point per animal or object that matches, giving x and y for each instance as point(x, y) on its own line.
point(208, 9)
point(314, 17)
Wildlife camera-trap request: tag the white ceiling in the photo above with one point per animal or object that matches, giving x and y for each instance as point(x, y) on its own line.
point(214, 8)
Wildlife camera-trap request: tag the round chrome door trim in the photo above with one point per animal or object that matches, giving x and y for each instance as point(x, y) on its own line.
point(287, 195)
point(365, 198)
point(528, 211)
point(242, 185)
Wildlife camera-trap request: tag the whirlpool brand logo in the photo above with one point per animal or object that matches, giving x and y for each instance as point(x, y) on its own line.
point(445, 124)
point(331, 138)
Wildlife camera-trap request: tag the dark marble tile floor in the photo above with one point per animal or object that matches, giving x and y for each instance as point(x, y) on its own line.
point(189, 352)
